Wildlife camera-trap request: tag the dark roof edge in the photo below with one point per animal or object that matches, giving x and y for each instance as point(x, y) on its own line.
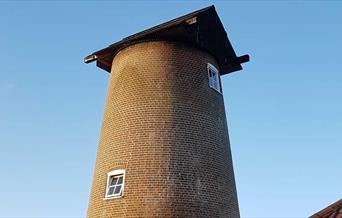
point(103, 56)
point(170, 23)
point(92, 57)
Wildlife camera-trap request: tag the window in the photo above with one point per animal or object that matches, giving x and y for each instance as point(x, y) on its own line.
point(214, 78)
point(115, 184)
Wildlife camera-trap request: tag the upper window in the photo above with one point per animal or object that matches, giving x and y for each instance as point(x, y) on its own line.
point(115, 184)
point(214, 78)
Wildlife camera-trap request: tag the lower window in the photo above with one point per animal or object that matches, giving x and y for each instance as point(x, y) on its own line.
point(115, 184)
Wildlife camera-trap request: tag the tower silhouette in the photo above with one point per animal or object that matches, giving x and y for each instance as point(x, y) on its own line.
point(164, 148)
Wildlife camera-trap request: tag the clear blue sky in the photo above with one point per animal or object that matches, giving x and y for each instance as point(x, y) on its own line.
point(284, 109)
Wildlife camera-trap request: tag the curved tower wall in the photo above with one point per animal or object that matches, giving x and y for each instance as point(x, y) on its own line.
point(167, 129)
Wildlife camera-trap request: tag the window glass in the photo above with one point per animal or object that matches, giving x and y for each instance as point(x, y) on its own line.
point(117, 189)
point(214, 78)
point(114, 179)
point(110, 191)
point(120, 180)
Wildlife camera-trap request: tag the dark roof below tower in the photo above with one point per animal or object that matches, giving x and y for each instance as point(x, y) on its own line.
point(201, 28)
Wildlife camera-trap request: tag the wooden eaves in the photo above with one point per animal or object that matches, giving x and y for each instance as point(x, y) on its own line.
point(201, 28)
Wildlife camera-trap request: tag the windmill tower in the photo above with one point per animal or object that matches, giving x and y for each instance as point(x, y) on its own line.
point(164, 148)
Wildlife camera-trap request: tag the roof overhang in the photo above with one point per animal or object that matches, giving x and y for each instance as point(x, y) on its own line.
point(201, 28)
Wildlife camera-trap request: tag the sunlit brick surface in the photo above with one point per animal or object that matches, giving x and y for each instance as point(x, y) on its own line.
point(166, 127)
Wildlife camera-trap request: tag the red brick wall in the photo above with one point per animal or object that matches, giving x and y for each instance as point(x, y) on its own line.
point(166, 127)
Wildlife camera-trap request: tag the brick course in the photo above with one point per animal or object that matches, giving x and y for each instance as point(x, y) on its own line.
point(167, 128)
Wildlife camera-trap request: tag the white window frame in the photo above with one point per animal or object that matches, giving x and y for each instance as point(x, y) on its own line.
point(115, 173)
point(214, 82)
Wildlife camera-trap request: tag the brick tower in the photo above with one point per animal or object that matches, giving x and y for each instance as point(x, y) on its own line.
point(164, 149)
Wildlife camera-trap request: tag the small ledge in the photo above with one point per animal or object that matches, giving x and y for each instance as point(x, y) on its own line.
point(113, 197)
